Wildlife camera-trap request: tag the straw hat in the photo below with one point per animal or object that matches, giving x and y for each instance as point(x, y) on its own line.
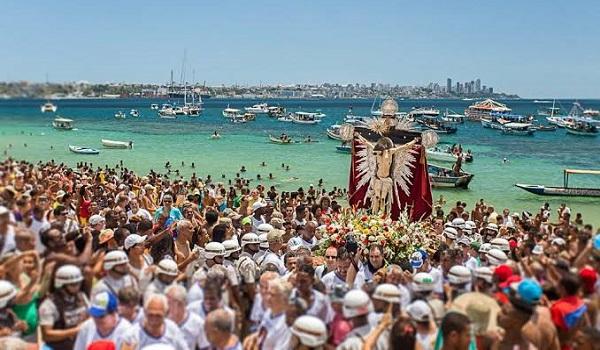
point(482, 309)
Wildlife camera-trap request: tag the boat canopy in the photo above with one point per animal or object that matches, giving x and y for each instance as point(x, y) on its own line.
point(582, 171)
point(491, 105)
point(63, 120)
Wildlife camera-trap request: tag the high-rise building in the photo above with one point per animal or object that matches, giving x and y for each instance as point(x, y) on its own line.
point(491, 90)
point(458, 87)
point(448, 85)
point(478, 85)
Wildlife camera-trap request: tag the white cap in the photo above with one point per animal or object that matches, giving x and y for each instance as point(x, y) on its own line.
point(231, 246)
point(450, 232)
point(423, 282)
point(213, 249)
point(484, 273)
point(294, 243)
point(132, 240)
point(357, 303)
point(419, 311)
point(167, 267)
point(387, 292)
point(67, 274)
point(258, 205)
point(496, 257)
point(114, 258)
point(311, 331)
point(458, 223)
point(500, 243)
point(459, 274)
point(7, 292)
point(96, 219)
point(263, 241)
point(263, 228)
point(250, 238)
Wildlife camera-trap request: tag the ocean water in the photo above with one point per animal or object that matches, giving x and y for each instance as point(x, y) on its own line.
point(537, 159)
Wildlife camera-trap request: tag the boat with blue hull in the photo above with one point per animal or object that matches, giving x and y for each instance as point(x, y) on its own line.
point(543, 190)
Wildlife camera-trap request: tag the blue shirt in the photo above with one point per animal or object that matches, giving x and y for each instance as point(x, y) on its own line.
point(174, 215)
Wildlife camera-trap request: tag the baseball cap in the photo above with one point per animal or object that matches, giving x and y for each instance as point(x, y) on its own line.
point(588, 278)
point(510, 281)
point(502, 273)
point(419, 311)
point(258, 205)
point(102, 304)
point(133, 239)
point(416, 260)
point(528, 290)
point(96, 219)
point(246, 221)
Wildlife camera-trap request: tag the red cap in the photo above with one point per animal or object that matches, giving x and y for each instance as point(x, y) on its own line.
point(512, 279)
point(512, 244)
point(502, 273)
point(589, 277)
point(102, 345)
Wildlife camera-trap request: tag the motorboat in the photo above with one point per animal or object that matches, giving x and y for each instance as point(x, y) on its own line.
point(120, 115)
point(276, 111)
point(48, 107)
point(117, 144)
point(343, 149)
point(243, 118)
point(483, 109)
point(333, 132)
point(192, 110)
point(306, 118)
point(447, 155)
point(154, 107)
point(591, 112)
point(520, 129)
point(166, 112)
point(178, 110)
point(424, 112)
point(498, 120)
point(545, 127)
point(260, 108)
point(134, 113)
point(231, 112)
point(62, 123)
point(282, 140)
point(83, 150)
point(549, 111)
point(565, 190)
point(437, 126)
point(452, 117)
point(582, 128)
point(356, 120)
point(285, 118)
point(445, 177)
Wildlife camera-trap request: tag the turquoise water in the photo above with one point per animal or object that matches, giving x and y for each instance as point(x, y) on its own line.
point(536, 160)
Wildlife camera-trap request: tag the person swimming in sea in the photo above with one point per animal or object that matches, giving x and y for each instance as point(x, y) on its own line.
point(263, 164)
point(243, 169)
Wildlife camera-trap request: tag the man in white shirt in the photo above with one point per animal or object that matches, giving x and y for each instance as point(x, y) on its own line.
point(190, 324)
point(38, 224)
point(155, 328)
point(137, 211)
point(7, 232)
point(105, 323)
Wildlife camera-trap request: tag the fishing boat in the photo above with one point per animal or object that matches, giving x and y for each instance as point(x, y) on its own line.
point(333, 132)
point(283, 140)
point(134, 113)
point(437, 126)
point(166, 112)
point(549, 111)
point(62, 123)
point(259, 108)
point(498, 120)
point(484, 108)
point(444, 177)
point(545, 127)
point(120, 115)
point(48, 107)
point(306, 118)
point(453, 117)
point(424, 113)
point(565, 190)
point(591, 112)
point(285, 118)
point(520, 129)
point(356, 120)
point(83, 150)
point(447, 155)
point(154, 107)
point(582, 128)
point(276, 111)
point(117, 144)
point(344, 149)
point(231, 112)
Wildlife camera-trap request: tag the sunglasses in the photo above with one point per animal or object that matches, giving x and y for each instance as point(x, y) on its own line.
point(331, 256)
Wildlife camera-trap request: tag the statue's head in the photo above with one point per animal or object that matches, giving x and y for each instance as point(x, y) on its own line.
point(389, 107)
point(383, 144)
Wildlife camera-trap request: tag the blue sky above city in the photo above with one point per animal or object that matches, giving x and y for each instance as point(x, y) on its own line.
point(532, 48)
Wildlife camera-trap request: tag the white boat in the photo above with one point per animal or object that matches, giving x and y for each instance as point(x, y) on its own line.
point(333, 132)
point(117, 144)
point(452, 117)
point(520, 129)
point(285, 118)
point(231, 112)
point(120, 115)
point(484, 108)
point(48, 107)
point(306, 118)
point(166, 112)
point(83, 150)
point(134, 113)
point(154, 106)
point(62, 123)
point(591, 112)
point(276, 111)
point(260, 108)
point(446, 156)
point(582, 128)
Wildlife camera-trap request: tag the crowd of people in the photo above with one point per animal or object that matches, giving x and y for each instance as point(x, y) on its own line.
point(102, 258)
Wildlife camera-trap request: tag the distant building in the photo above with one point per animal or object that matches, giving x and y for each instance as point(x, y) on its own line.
point(478, 85)
point(491, 90)
point(448, 85)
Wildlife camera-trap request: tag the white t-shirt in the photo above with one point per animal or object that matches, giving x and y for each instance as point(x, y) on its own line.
point(138, 338)
point(141, 212)
point(9, 241)
point(89, 333)
point(272, 258)
point(320, 308)
point(37, 227)
point(112, 285)
point(193, 331)
point(278, 333)
point(197, 307)
point(331, 279)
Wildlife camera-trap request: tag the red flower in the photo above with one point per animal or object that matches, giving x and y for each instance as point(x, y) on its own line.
point(364, 218)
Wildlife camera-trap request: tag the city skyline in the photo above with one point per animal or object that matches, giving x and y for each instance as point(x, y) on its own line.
point(270, 43)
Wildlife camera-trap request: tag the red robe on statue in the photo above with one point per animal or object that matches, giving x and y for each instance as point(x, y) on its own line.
point(418, 203)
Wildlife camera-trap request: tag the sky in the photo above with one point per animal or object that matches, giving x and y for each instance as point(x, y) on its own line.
point(531, 48)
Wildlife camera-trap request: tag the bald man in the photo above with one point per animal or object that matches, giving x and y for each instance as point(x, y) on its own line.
point(219, 331)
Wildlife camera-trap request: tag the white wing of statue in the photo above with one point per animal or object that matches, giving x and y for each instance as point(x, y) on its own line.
point(404, 158)
point(366, 165)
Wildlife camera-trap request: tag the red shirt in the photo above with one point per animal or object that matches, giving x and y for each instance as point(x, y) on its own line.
point(340, 327)
point(567, 311)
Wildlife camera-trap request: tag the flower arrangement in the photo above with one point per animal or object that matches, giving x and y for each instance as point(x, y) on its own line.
point(399, 238)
